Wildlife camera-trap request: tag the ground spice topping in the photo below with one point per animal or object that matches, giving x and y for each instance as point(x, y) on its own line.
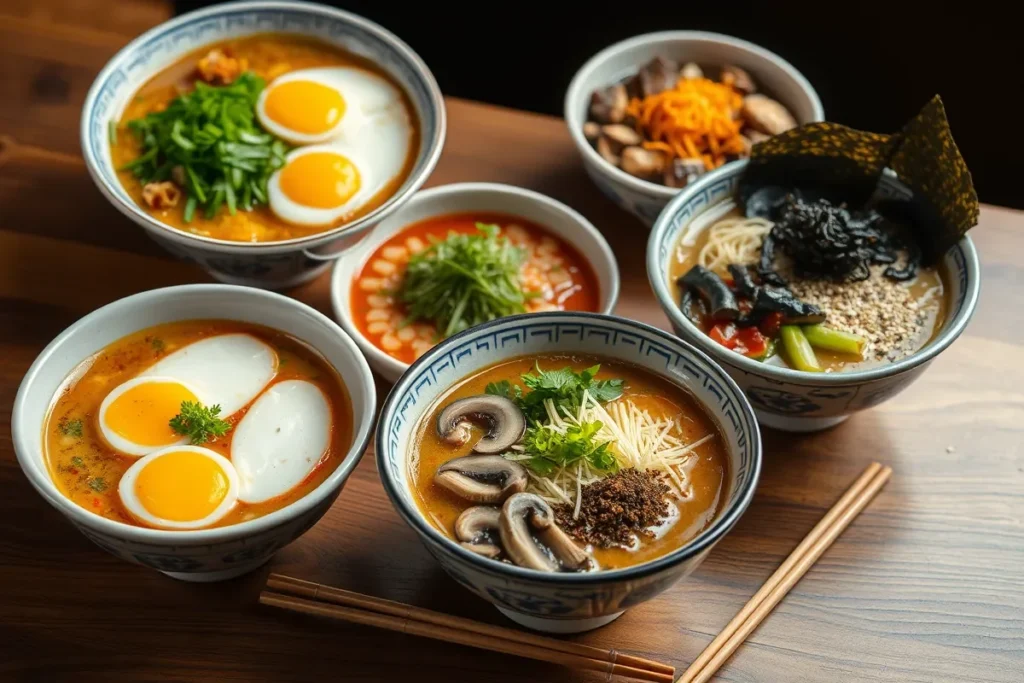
point(616, 509)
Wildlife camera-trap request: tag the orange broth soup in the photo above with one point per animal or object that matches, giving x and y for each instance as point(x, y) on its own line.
point(557, 275)
point(88, 470)
point(269, 56)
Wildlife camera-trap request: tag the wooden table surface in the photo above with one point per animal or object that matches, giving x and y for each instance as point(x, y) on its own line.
point(927, 585)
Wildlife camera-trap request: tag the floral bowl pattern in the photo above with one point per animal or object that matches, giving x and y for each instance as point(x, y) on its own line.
point(789, 399)
point(565, 603)
point(273, 265)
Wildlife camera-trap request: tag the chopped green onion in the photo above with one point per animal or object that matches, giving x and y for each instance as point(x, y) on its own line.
point(798, 350)
point(828, 339)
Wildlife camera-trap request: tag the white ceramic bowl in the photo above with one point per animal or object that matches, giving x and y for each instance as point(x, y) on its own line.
point(469, 197)
point(789, 399)
point(273, 265)
point(205, 554)
point(566, 602)
point(773, 74)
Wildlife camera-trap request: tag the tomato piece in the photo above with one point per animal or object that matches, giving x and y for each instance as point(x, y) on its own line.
point(724, 334)
point(770, 324)
point(750, 342)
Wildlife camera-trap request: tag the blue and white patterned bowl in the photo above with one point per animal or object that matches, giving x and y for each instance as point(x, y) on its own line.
point(204, 554)
point(789, 399)
point(565, 603)
point(273, 265)
point(642, 198)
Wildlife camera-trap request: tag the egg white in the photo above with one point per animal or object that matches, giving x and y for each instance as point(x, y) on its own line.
point(228, 370)
point(366, 95)
point(119, 442)
point(126, 490)
point(281, 439)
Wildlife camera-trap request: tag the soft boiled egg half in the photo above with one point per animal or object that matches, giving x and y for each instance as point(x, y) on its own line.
point(228, 370)
point(180, 487)
point(357, 133)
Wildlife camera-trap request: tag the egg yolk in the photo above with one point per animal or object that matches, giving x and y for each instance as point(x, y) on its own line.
point(142, 414)
point(305, 106)
point(181, 486)
point(321, 180)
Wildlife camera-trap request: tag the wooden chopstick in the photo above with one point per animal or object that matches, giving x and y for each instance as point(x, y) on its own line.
point(852, 503)
point(456, 635)
point(340, 596)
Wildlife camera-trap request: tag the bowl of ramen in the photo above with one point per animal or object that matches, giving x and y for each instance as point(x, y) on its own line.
point(816, 307)
point(651, 114)
point(195, 429)
point(459, 255)
point(566, 466)
point(262, 139)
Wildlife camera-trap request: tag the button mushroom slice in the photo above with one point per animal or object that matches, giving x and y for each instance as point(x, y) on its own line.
point(477, 529)
point(592, 130)
point(502, 420)
point(621, 136)
point(533, 540)
point(691, 70)
point(655, 76)
point(608, 105)
point(482, 478)
point(738, 79)
point(643, 163)
point(682, 172)
point(604, 148)
point(766, 115)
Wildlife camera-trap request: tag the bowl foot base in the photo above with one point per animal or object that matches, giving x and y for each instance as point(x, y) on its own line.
point(559, 625)
point(222, 575)
point(797, 424)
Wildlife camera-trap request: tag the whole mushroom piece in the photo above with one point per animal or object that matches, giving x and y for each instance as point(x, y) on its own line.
point(482, 478)
point(533, 540)
point(501, 418)
point(478, 530)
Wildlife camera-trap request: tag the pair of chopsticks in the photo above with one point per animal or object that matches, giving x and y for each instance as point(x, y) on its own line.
point(785, 577)
point(335, 603)
point(338, 604)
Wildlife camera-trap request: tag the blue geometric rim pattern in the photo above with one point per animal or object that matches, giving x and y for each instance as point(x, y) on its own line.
point(622, 340)
point(234, 22)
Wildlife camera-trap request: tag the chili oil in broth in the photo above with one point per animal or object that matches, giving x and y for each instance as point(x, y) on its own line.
point(554, 271)
point(269, 56)
point(87, 470)
point(926, 288)
point(710, 475)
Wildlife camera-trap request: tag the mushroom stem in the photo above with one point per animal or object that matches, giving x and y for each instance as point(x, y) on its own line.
point(478, 530)
point(533, 540)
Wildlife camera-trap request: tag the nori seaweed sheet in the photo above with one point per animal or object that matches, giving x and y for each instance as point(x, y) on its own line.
point(844, 165)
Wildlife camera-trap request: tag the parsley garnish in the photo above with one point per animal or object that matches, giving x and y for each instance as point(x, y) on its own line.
point(564, 387)
point(70, 427)
point(98, 484)
point(208, 140)
point(198, 422)
point(77, 462)
point(157, 343)
point(551, 450)
point(464, 280)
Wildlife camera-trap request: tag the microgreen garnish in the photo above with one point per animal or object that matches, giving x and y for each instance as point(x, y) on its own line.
point(77, 462)
point(212, 138)
point(70, 427)
point(550, 449)
point(198, 422)
point(564, 387)
point(464, 280)
point(98, 484)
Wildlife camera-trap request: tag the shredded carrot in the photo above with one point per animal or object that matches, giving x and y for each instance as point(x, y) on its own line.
point(698, 119)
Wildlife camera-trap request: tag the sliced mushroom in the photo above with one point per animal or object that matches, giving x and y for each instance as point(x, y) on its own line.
point(591, 130)
point(608, 105)
point(533, 540)
point(691, 70)
point(682, 172)
point(477, 529)
point(482, 478)
point(643, 163)
point(621, 136)
point(656, 76)
point(766, 115)
point(738, 79)
point(501, 418)
point(755, 136)
point(604, 148)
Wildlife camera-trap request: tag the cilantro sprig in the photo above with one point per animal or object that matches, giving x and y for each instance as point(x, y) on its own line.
point(209, 141)
point(564, 387)
point(551, 450)
point(464, 280)
point(198, 422)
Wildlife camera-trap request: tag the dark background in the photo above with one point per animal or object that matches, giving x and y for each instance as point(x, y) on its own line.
point(874, 64)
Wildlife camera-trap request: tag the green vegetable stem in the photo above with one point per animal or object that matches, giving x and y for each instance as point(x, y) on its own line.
point(798, 350)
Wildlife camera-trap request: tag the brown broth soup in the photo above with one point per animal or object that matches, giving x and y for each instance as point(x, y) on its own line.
point(269, 56)
point(555, 276)
point(87, 469)
point(705, 473)
point(897, 318)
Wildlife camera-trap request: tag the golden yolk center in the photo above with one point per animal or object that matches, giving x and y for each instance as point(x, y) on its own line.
point(141, 414)
point(305, 106)
point(320, 180)
point(181, 486)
